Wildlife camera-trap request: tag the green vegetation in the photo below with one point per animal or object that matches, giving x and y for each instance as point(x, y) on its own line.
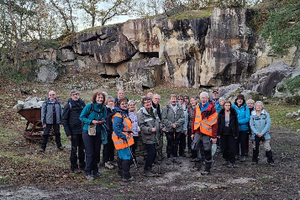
point(25, 71)
point(108, 185)
point(4, 180)
point(282, 27)
point(278, 110)
point(293, 84)
point(191, 14)
point(98, 28)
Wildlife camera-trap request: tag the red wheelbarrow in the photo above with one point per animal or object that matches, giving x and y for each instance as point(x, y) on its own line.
point(34, 128)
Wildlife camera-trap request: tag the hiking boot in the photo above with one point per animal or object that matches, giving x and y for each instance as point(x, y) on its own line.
point(231, 165)
point(243, 159)
point(205, 172)
point(89, 177)
point(108, 165)
point(237, 157)
point(97, 174)
point(148, 173)
point(168, 161)
point(128, 179)
point(254, 161)
point(176, 160)
point(271, 162)
point(76, 171)
point(182, 155)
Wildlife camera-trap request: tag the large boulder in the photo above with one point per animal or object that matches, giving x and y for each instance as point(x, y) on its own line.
point(47, 71)
point(107, 45)
point(149, 72)
point(227, 58)
point(265, 80)
point(65, 55)
point(47, 54)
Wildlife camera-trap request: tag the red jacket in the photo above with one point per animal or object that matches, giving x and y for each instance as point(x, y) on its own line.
point(207, 112)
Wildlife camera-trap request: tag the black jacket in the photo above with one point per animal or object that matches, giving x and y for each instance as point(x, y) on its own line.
point(109, 125)
point(233, 123)
point(70, 117)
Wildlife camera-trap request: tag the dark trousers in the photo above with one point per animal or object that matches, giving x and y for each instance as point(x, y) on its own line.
point(108, 150)
point(77, 145)
point(228, 143)
point(92, 151)
point(247, 142)
point(189, 139)
point(182, 144)
point(150, 156)
point(47, 130)
point(172, 143)
point(241, 142)
point(134, 146)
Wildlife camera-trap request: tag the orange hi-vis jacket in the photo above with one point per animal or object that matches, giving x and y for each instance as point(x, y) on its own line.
point(118, 142)
point(205, 124)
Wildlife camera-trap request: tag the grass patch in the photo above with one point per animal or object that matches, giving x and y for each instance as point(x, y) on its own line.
point(278, 110)
point(191, 14)
point(4, 180)
point(108, 185)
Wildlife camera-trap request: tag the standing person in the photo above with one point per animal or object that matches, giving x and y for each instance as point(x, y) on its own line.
point(215, 97)
point(243, 117)
point(260, 124)
point(73, 129)
point(219, 107)
point(173, 121)
point(204, 130)
point(123, 138)
point(51, 117)
point(191, 111)
point(250, 104)
point(182, 139)
point(120, 95)
point(94, 113)
point(149, 124)
point(160, 143)
point(228, 131)
point(109, 149)
point(150, 95)
point(135, 126)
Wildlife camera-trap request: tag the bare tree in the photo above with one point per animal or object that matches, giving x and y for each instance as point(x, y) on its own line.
point(105, 10)
point(65, 9)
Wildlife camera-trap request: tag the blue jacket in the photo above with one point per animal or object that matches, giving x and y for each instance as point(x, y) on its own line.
point(243, 116)
point(260, 124)
point(218, 108)
point(118, 125)
point(98, 113)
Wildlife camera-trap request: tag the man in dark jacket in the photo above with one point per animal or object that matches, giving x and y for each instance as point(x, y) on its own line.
point(51, 117)
point(73, 129)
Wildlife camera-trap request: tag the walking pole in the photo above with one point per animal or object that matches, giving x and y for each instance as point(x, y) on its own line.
point(134, 161)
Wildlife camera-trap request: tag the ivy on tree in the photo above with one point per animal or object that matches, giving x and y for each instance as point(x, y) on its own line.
point(282, 28)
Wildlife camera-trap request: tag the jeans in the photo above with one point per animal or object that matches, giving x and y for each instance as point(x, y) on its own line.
point(241, 141)
point(172, 143)
point(150, 156)
point(77, 145)
point(46, 135)
point(92, 151)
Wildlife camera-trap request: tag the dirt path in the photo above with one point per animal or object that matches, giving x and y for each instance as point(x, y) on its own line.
point(248, 181)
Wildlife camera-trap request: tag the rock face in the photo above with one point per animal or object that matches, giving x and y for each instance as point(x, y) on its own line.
point(265, 80)
point(217, 50)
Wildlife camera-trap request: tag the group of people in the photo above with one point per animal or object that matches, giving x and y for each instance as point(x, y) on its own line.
point(186, 124)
